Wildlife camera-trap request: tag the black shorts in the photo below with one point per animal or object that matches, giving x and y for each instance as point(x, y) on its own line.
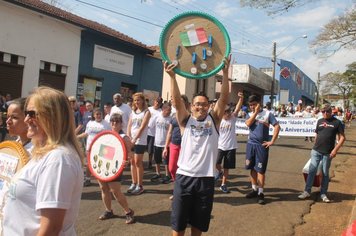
point(229, 158)
point(139, 149)
point(150, 144)
point(192, 202)
point(158, 156)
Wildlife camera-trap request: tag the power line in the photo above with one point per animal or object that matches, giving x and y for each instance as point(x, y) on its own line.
point(154, 24)
point(119, 13)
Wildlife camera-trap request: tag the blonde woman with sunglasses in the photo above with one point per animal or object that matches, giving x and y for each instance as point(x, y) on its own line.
point(44, 196)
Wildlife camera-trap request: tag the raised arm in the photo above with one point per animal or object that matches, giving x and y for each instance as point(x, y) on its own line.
point(239, 104)
point(219, 108)
point(181, 112)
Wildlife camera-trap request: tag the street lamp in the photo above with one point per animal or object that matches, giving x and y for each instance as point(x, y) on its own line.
point(274, 58)
point(301, 37)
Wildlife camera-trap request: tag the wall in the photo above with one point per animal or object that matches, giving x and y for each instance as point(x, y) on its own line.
point(147, 70)
point(300, 86)
point(38, 37)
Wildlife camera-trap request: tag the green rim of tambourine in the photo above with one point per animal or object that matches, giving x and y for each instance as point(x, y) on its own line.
point(203, 15)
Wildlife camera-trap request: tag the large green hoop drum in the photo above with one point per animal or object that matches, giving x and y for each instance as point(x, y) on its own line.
point(197, 43)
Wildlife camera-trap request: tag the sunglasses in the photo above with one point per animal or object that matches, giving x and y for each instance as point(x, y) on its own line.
point(32, 114)
point(325, 111)
point(73, 101)
point(115, 121)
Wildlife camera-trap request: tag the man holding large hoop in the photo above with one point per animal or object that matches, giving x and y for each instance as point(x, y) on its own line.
point(194, 185)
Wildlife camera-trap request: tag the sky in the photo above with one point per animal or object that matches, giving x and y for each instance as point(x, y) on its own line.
point(252, 32)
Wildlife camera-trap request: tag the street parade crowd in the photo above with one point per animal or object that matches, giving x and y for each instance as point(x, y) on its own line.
point(192, 144)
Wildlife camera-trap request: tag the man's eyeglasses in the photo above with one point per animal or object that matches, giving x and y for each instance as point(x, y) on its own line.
point(32, 114)
point(201, 104)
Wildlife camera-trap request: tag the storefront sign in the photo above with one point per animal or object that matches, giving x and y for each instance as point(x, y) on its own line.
point(112, 60)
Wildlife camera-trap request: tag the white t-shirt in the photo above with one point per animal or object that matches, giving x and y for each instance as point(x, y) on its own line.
point(54, 181)
point(107, 118)
point(151, 124)
point(162, 125)
point(125, 111)
point(136, 121)
point(199, 148)
point(93, 128)
point(227, 138)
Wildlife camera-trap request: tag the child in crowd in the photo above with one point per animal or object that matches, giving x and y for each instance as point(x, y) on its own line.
point(114, 186)
point(161, 122)
point(227, 143)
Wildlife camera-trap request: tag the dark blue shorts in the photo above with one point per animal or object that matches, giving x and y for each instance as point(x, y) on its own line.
point(192, 202)
point(158, 156)
point(256, 157)
point(229, 158)
point(139, 149)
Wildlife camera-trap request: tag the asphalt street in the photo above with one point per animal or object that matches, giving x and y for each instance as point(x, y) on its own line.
point(232, 214)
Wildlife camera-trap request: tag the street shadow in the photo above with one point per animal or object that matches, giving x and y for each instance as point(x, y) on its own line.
point(162, 218)
point(94, 195)
point(271, 195)
point(339, 197)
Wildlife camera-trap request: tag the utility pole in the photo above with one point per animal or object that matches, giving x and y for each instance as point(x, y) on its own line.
point(273, 71)
point(317, 90)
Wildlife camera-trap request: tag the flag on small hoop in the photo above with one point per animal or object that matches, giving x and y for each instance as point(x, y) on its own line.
point(107, 152)
point(193, 37)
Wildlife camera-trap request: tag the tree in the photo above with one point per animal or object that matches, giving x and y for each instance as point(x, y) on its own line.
point(340, 83)
point(350, 73)
point(274, 7)
point(338, 33)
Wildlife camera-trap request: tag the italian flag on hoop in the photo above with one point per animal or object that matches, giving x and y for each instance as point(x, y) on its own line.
point(193, 37)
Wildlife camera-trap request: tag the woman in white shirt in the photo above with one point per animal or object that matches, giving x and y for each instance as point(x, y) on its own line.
point(45, 194)
point(137, 130)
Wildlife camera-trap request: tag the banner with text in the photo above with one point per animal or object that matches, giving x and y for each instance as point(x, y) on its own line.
point(289, 126)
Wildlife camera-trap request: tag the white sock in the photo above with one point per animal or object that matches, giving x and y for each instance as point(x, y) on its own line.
point(260, 190)
point(254, 187)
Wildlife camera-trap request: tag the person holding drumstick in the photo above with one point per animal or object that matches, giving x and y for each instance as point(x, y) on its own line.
point(44, 196)
point(114, 186)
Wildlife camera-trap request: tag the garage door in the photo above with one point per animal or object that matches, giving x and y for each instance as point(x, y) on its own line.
point(11, 79)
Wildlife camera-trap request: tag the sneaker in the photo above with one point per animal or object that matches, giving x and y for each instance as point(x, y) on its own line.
point(155, 177)
point(171, 198)
point(252, 194)
point(131, 188)
point(324, 198)
point(87, 182)
point(224, 189)
point(218, 175)
point(304, 195)
point(130, 217)
point(261, 199)
point(138, 190)
point(166, 180)
point(106, 215)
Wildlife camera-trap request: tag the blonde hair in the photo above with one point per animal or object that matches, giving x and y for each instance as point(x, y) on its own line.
point(56, 118)
point(144, 103)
